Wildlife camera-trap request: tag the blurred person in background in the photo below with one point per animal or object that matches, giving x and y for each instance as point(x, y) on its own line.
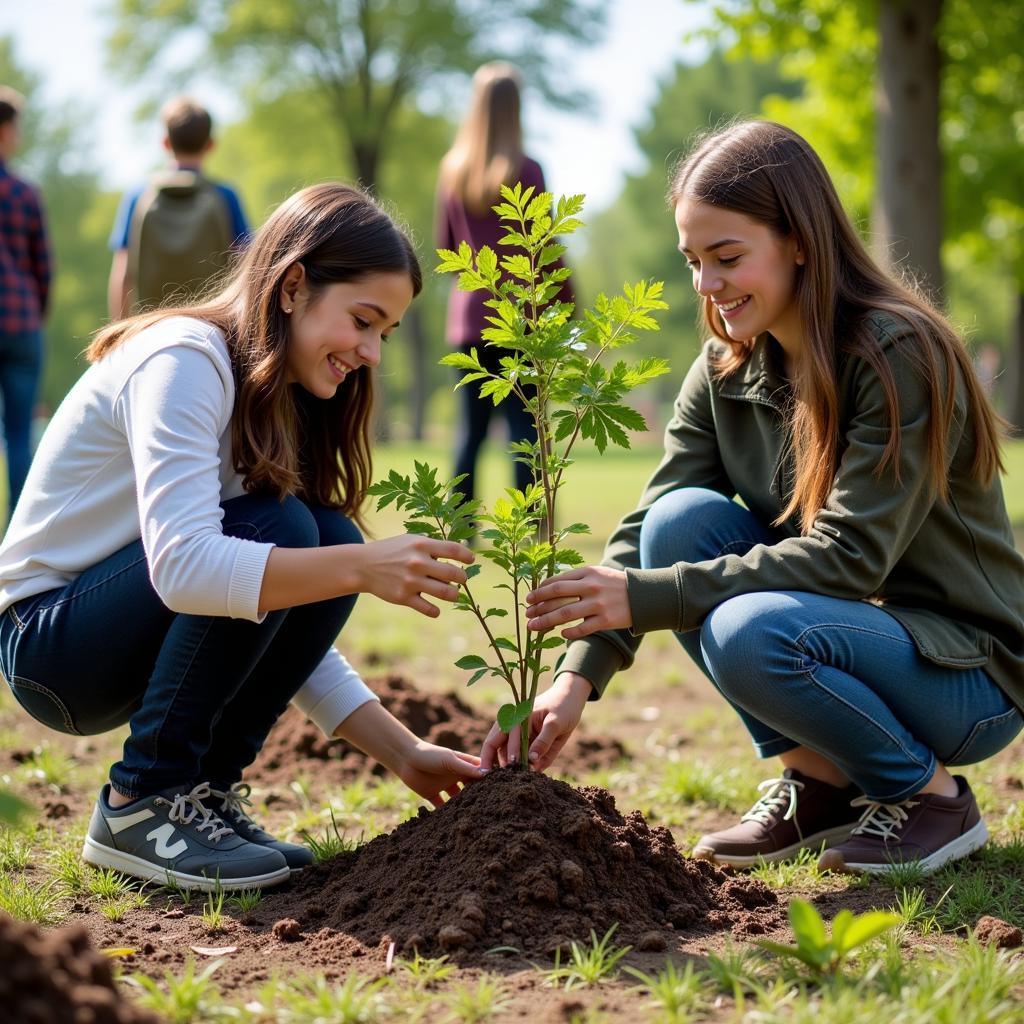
point(179, 230)
point(25, 271)
point(487, 153)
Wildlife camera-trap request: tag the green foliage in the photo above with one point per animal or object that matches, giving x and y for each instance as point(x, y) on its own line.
point(330, 843)
point(426, 971)
point(180, 1000)
point(824, 953)
point(552, 365)
point(11, 808)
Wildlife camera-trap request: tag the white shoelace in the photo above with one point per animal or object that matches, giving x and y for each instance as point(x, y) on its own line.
point(780, 793)
point(186, 807)
point(883, 820)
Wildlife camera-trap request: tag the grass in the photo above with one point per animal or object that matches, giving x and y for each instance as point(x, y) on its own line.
point(587, 965)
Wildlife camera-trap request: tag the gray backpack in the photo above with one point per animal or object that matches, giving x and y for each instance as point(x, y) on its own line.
point(180, 237)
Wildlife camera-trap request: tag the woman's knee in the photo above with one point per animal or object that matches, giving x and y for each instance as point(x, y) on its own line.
point(288, 523)
point(677, 525)
point(334, 527)
point(749, 645)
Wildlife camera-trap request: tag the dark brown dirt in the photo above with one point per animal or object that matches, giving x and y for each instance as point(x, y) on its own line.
point(296, 746)
point(524, 861)
point(993, 931)
point(58, 978)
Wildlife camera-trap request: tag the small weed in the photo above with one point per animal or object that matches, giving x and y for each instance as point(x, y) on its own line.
point(67, 864)
point(15, 850)
point(246, 900)
point(109, 885)
point(588, 965)
point(735, 971)
point(824, 953)
point(799, 871)
point(118, 910)
point(902, 874)
point(356, 1001)
point(677, 993)
point(27, 900)
point(915, 913)
point(697, 782)
point(48, 765)
point(331, 843)
point(974, 891)
point(473, 1005)
point(179, 1000)
point(426, 971)
point(213, 909)
point(184, 895)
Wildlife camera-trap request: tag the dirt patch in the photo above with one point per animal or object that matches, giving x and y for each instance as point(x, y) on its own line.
point(523, 861)
point(295, 746)
point(58, 976)
point(993, 931)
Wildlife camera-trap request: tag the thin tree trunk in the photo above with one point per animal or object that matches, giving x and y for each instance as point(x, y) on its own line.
point(908, 202)
point(416, 334)
point(1013, 402)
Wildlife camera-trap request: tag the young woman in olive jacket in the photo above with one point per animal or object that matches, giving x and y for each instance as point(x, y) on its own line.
point(862, 609)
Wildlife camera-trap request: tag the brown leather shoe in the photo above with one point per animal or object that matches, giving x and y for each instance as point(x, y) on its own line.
point(928, 828)
point(795, 813)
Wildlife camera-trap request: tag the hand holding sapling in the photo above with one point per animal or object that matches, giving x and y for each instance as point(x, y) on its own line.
point(596, 594)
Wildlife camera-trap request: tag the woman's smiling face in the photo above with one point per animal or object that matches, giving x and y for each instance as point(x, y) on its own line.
point(745, 268)
point(342, 329)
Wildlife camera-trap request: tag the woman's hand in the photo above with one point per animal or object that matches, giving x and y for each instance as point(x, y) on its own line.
point(407, 569)
point(430, 771)
point(596, 594)
point(556, 713)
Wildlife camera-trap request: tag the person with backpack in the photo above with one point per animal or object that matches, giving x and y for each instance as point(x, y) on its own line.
point(179, 230)
point(186, 548)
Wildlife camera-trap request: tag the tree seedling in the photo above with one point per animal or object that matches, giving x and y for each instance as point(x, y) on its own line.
point(824, 953)
point(552, 364)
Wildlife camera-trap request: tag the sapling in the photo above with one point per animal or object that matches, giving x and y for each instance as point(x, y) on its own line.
point(554, 364)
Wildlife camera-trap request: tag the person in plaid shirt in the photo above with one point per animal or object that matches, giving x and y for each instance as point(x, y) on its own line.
point(24, 291)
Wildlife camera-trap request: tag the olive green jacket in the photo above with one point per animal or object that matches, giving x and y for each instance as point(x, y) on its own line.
point(948, 571)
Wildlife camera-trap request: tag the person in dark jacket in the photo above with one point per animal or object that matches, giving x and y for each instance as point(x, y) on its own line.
point(487, 153)
point(863, 609)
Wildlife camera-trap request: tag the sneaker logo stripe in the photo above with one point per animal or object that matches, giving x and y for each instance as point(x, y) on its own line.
point(161, 836)
point(120, 823)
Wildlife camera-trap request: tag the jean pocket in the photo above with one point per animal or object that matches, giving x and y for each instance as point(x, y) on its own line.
point(43, 705)
point(988, 737)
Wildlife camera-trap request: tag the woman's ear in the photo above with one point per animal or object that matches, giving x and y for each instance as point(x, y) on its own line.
point(292, 286)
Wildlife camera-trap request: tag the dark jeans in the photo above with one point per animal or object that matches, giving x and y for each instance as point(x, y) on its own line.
point(21, 359)
point(475, 419)
point(201, 692)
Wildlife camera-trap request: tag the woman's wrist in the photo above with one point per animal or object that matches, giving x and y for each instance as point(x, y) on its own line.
point(576, 685)
point(378, 734)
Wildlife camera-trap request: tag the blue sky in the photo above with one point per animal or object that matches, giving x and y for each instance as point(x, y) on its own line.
point(62, 40)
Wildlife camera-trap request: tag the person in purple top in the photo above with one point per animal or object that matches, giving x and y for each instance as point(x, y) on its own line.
point(25, 271)
point(487, 153)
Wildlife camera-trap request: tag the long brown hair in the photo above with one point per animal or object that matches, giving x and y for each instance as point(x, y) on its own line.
point(769, 173)
point(284, 440)
point(488, 149)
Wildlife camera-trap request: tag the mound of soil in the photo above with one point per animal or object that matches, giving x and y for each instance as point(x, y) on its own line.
point(525, 861)
point(296, 746)
point(58, 978)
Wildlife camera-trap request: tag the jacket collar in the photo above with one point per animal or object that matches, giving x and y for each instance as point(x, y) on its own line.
point(760, 378)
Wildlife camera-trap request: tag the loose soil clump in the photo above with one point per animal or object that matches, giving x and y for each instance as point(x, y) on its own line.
point(58, 978)
point(525, 861)
point(296, 746)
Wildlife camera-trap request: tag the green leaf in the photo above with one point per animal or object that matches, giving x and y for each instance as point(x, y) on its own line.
point(478, 674)
point(471, 661)
point(462, 361)
point(863, 928)
point(505, 643)
point(808, 927)
point(510, 715)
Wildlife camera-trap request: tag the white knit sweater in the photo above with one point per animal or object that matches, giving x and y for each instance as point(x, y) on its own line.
point(141, 447)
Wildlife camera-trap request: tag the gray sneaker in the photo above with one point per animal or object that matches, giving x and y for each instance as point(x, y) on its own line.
point(233, 804)
point(174, 838)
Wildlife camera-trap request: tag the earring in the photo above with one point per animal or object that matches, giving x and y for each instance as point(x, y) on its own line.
point(289, 309)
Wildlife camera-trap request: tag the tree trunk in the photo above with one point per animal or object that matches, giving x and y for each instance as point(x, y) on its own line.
point(908, 202)
point(416, 335)
point(1013, 401)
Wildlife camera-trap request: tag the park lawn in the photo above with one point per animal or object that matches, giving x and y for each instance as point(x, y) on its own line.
point(690, 769)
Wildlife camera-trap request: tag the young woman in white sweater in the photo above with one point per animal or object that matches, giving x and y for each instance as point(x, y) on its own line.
point(185, 550)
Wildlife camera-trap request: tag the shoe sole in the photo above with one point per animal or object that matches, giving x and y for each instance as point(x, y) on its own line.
point(101, 856)
point(830, 836)
point(964, 845)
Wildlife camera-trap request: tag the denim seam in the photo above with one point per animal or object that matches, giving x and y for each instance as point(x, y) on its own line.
point(979, 729)
point(31, 684)
point(740, 546)
point(94, 586)
point(856, 629)
point(20, 626)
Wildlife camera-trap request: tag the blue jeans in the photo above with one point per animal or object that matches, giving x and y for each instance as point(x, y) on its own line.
point(842, 678)
point(201, 692)
point(21, 359)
